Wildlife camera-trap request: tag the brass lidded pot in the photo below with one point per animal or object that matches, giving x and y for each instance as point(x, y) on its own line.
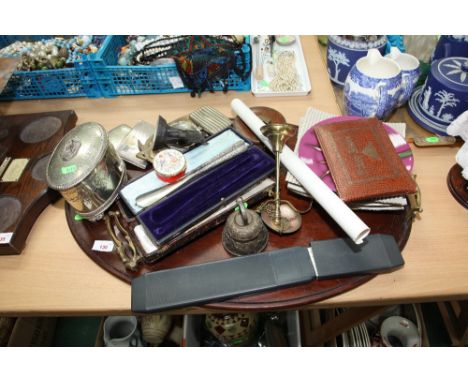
point(85, 168)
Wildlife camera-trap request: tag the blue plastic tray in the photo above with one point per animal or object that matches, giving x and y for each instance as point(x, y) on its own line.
point(117, 80)
point(78, 81)
point(6, 40)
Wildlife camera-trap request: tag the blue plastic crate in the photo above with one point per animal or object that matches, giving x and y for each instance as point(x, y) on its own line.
point(6, 40)
point(78, 81)
point(117, 80)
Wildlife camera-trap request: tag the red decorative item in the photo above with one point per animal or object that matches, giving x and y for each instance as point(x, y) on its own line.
point(170, 165)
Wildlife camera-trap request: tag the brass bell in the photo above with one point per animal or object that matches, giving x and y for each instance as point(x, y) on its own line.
point(244, 232)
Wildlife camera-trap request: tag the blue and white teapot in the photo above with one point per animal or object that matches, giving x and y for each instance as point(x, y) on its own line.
point(373, 86)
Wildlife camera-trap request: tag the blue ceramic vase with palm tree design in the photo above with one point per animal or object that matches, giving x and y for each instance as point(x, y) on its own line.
point(344, 51)
point(373, 86)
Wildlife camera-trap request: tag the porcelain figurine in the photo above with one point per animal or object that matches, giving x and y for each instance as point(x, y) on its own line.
point(344, 51)
point(444, 95)
point(410, 72)
point(373, 86)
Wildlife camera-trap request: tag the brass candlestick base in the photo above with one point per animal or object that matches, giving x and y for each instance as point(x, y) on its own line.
point(278, 134)
point(290, 220)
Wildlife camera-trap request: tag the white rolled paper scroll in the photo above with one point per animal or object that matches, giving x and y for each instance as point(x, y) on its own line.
point(336, 208)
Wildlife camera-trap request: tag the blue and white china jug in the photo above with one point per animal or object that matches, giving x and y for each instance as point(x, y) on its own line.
point(373, 86)
point(410, 72)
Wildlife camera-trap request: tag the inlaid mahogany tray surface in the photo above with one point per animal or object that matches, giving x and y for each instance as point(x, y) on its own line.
point(26, 142)
point(317, 225)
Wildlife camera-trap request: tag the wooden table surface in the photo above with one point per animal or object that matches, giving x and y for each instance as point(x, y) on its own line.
point(54, 277)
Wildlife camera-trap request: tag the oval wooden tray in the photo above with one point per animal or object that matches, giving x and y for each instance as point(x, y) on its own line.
point(317, 225)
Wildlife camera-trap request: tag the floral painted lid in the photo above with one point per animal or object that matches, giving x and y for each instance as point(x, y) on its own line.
point(452, 72)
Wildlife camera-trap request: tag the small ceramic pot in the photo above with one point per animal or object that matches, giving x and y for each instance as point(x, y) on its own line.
point(121, 331)
point(398, 331)
point(373, 86)
point(155, 327)
point(342, 54)
point(444, 95)
point(410, 72)
point(451, 46)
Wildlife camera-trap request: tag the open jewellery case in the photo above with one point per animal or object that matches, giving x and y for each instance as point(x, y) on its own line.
point(213, 190)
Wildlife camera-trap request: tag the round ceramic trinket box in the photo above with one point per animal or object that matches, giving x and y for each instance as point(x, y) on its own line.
point(344, 51)
point(170, 165)
point(444, 95)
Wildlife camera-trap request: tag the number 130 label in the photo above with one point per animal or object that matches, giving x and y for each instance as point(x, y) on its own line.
point(5, 237)
point(103, 245)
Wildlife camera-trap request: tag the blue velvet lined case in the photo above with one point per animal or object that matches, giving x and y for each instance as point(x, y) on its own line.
point(196, 157)
point(205, 194)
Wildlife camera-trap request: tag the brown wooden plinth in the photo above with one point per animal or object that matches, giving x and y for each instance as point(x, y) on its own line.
point(458, 185)
point(27, 139)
